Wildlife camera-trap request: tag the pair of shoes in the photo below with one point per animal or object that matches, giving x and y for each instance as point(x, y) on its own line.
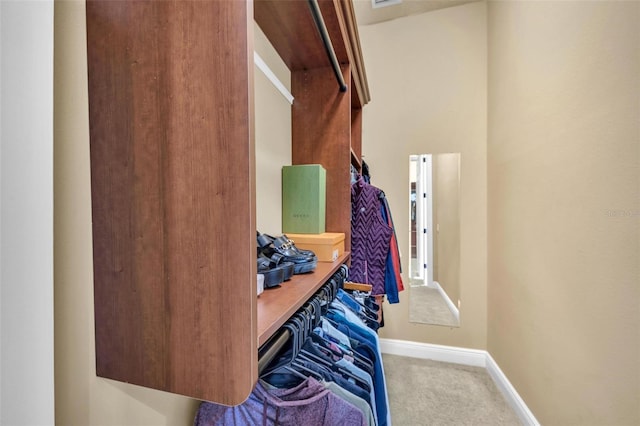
point(303, 260)
point(275, 270)
point(284, 242)
point(283, 239)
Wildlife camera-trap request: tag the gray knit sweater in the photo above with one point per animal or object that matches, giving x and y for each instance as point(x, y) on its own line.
point(308, 404)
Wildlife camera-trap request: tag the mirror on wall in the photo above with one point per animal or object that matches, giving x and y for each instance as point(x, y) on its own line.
point(434, 268)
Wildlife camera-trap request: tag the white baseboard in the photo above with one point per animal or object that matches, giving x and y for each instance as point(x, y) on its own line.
point(442, 353)
point(510, 393)
point(473, 357)
point(452, 307)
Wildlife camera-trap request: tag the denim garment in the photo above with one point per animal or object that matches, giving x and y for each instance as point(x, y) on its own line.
point(362, 316)
point(391, 285)
point(333, 332)
point(363, 362)
point(369, 316)
point(369, 344)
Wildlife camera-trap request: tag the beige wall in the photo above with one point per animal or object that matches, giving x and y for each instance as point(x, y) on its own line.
point(81, 398)
point(563, 159)
point(427, 75)
point(273, 138)
point(446, 184)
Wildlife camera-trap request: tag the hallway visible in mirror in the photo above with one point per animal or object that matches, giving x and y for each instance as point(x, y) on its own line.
point(434, 267)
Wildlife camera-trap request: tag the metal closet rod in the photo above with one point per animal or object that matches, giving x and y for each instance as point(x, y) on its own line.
point(275, 344)
point(324, 35)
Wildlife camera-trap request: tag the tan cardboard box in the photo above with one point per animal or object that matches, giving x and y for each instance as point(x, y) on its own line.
point(328, 246)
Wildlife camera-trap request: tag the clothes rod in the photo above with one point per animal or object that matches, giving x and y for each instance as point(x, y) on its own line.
point(274, 346)
point(324, 35)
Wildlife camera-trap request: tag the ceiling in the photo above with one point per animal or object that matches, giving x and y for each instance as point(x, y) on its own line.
point(367, 15)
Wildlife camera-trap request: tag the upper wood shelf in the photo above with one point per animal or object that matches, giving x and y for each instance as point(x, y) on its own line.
point(277, 305)
point(289, 26)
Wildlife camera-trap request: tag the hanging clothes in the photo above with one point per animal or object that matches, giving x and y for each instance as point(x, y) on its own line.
point(329, 373)
point(365, 172)
point(309, 403)
point(370, 237)
point(352, 325)
point(392, 278)
point(375, 257)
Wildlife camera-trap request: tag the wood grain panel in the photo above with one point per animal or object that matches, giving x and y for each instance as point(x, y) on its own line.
point(361, 95)
point(321, 132)
point(333, 20)
point(289, 26)
point(127, 195)
point(173, 193)
point(356, 132)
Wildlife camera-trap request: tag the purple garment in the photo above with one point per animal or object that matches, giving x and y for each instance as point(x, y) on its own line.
point(309, 404)
point(370, 237)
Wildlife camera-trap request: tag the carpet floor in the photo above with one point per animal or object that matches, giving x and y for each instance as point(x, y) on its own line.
point(426, 392)
point(427, 306)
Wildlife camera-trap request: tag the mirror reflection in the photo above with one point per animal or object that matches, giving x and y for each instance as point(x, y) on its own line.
point(434, 269)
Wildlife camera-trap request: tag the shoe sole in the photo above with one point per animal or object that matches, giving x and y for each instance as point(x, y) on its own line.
point(306, 267)
point(272, 277)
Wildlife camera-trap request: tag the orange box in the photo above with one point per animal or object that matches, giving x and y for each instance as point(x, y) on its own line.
point(328, 246)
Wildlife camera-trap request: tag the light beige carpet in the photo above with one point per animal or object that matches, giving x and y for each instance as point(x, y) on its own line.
point(427, 306)
point(426, 392)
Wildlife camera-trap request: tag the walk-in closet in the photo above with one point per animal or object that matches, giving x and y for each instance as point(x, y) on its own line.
point(475, 259)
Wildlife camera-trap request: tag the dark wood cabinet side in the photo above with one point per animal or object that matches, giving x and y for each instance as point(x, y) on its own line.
point(173, 195)
point(173, 179)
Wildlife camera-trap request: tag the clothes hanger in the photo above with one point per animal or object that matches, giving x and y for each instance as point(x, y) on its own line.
point(359, 359)
point(301, 326)
point(309, 311)
point(314, 357)
point(356, 380)
point(331, 365)
point(296, 324)
point(304, 371)
point(314, 308)
point(287, 364)
point(317, 312)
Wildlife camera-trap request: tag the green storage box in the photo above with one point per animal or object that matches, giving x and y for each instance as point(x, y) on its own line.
point(304, 193)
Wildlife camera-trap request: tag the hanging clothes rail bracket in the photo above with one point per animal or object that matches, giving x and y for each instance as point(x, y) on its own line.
point(324, 35)
point(358, 287)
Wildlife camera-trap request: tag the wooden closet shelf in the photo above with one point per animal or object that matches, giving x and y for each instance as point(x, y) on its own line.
point(277, 305)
